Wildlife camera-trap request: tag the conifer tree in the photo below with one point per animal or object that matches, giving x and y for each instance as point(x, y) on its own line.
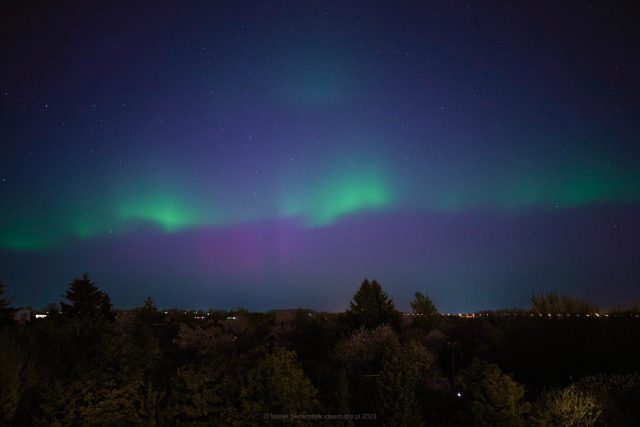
point(371, 307)
point(86, 301)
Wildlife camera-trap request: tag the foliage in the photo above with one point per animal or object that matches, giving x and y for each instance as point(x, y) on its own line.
point(552, 303)
point(342, 392)
point(363, 349)
point(403, 373)
point(425, 312)
point(149, 305)
point(371, 307)
point(571, 407)
point(198, 339)
point(423, 305)
point(277, 385)
point(492, 398)
point(114, 387)
point(617, 395)
point(89, 308)
point(203, 395)
point(97, 398)
point(6, 312)
point(16, 374)
point(632, 308)
point(177, 367)
point(397, 392)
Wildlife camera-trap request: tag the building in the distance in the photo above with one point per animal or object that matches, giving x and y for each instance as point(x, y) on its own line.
point(22, 315)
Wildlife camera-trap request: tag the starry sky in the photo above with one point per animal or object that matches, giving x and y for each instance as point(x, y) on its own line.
point(273, 154)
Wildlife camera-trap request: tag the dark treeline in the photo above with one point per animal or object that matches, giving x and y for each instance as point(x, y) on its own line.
point(89, 364)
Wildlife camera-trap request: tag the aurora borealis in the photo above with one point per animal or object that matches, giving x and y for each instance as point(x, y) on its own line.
point(273, 155)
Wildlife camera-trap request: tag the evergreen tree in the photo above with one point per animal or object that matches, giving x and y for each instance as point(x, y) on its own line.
point(86, 302)
point(149, 313)
point(371, 307)
point(149, 305)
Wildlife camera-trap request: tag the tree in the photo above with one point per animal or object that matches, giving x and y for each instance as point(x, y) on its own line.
point(371, 307)
point(203, 395)
point(361, 356)
point(6, 312)
point(97, 398)
point(16, 374)
point(149, 305)
point(114, 386)
point(627, 309)
point(342, 395)
point(396, 386)
point(423, 305)
point(617, 395)
point(426, 312)
point(492, 398)
point(86, 302)
point(362, 352)
point(552, 303)
point(277, 385)
point(404, 371)
point(149, 313)
point(572, 407)
point(383, 374)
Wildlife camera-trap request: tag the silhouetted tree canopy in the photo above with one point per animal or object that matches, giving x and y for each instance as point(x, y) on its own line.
point(88, 309)
point(202, 395)
point(6, 312)
point(149, 304)
point(180, 367)
point(552, 303)
point(570, 406)
point(396, 384)
point(277, 385)
point(371, 307)
point(492, 397)
point(422, 304)
point(149, 313)
point(617, 395)
point(16, 374)
point(86, 299)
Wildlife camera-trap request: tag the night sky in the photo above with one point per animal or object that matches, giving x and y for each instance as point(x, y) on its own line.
point(274, 154)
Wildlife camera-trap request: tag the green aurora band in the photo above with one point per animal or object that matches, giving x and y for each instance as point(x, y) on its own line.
point(316, 203)
point(167, 212)
point(351, 194)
